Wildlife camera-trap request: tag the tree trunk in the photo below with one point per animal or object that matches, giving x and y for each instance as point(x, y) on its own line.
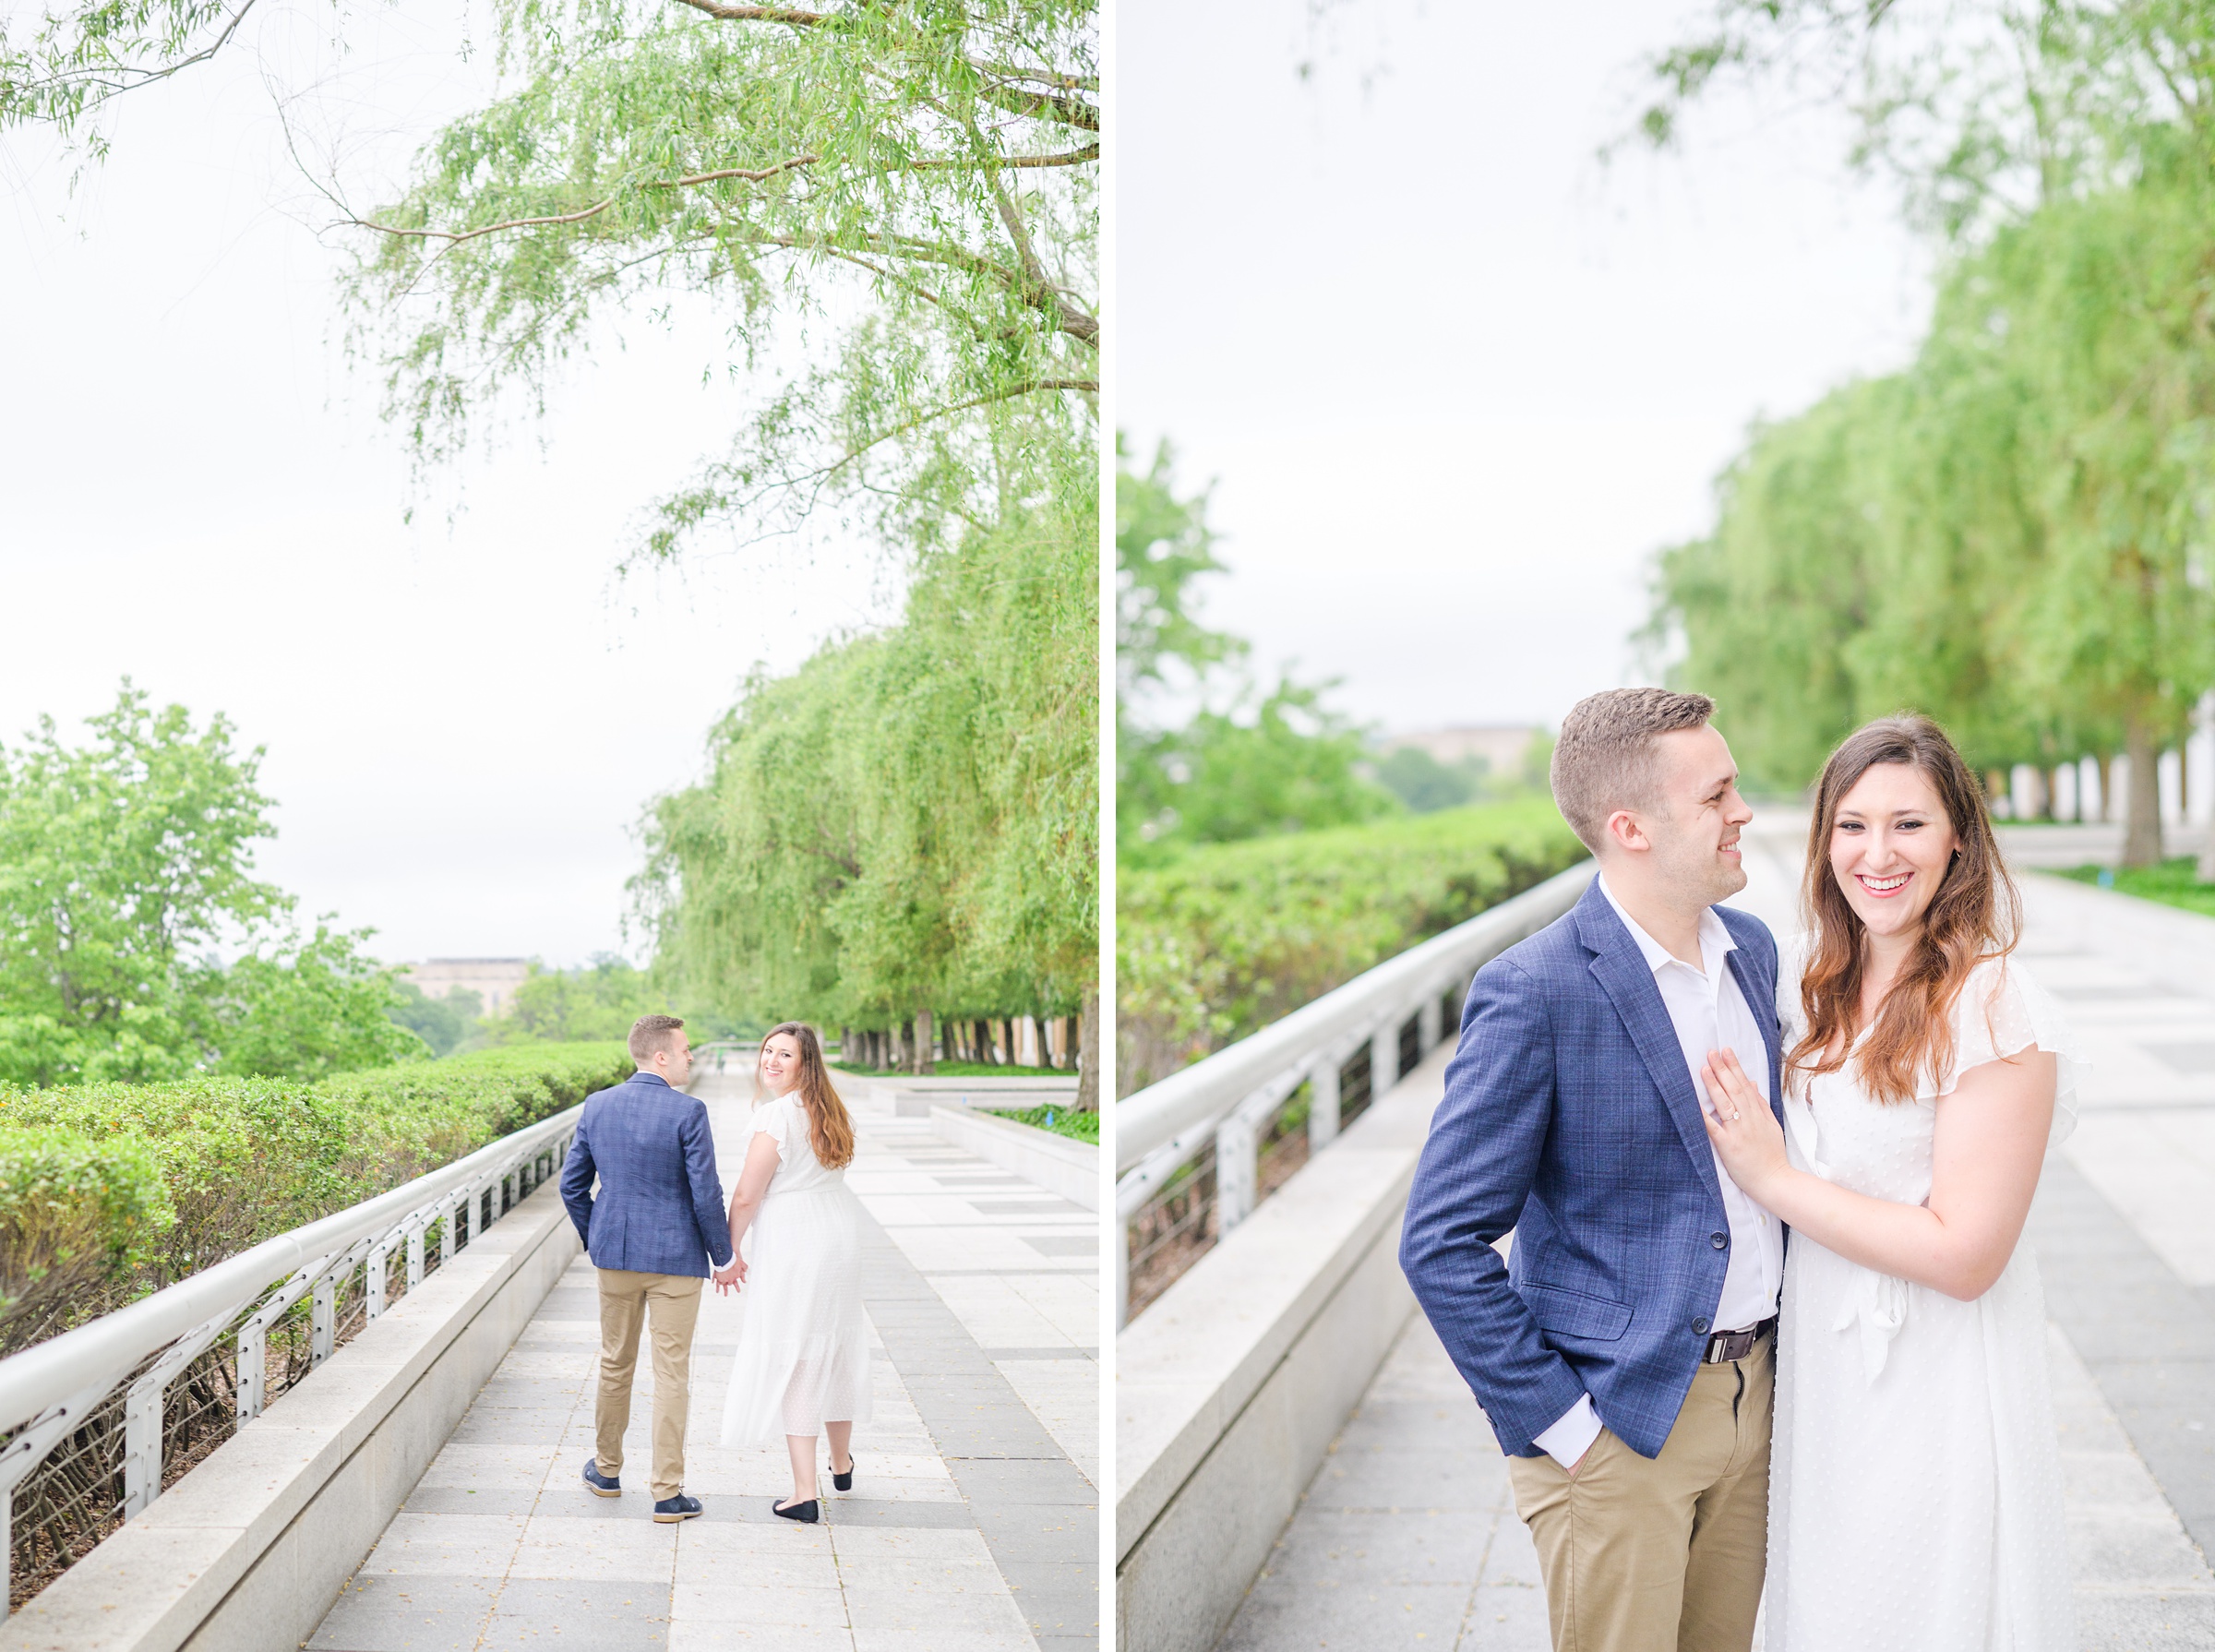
point(1069, 1041)
point(1088, 1053)
point(927, 1040)
point(2142, 825)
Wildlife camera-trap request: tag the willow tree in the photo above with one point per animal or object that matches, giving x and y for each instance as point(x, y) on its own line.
point(2010, 534)
point(1865, 559)
point(2101, 308)
point(912, 183)
point(892, 206)
point(2049, 482)
point(906, 827)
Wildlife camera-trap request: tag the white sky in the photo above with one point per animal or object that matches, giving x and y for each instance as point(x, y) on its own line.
point(462, 725)
point(1455, 381)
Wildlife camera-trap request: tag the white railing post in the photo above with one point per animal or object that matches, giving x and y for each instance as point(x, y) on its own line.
point(1237, 1152)
point(1383, 1059)
point(372, 1277)
point(414, 1254)
point(450, 1240)
point(142, 1444)
point(1322, 1104)
point(1122, 1270)
point(1427, 1020)
point(323, 1320)
point(253, 1370)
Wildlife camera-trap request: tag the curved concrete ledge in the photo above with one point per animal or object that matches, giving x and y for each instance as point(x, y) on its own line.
point(1232, 1385)
point(1070, 1168)
point(246, 1552)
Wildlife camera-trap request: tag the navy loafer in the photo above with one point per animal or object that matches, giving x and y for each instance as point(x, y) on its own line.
point(679, 1507)
point(601, 1485)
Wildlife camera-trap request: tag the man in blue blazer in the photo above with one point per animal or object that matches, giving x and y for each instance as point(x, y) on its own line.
point(657, 1223)
point(1623, 1352)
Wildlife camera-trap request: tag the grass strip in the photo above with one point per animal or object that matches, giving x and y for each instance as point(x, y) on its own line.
point(1077, 1125)
point(2172, 883)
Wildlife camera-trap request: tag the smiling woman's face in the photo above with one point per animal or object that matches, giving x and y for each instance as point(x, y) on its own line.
point(1890, 847)
point(781, 1063)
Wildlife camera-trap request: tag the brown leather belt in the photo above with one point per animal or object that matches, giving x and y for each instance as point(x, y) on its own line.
point(1726, 1346)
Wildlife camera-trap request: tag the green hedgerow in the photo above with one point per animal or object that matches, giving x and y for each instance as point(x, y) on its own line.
point(1226, 938)
point(74, 1213)
point(233, 1161)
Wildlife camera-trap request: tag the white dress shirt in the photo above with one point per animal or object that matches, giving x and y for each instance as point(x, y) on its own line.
point(1709, 1012)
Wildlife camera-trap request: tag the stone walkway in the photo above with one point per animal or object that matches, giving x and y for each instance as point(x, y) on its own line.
point(973, 1525)
point(1409, 1534)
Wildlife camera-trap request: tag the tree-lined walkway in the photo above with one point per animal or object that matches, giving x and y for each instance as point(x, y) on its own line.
point(973, 1524)
point(1408, 1533)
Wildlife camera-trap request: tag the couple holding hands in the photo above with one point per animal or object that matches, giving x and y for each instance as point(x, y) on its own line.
point(802, 1367)
point(1766, 1320)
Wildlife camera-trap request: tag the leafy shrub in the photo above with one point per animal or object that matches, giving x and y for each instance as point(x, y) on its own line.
point(237, 1160)
point(74, 1213)
point(1226, 938)
point(423, 1114)
point(240, 1158)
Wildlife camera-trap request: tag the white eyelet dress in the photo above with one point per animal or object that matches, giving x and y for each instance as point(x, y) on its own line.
point(1915, 1496)
point(803, 1356)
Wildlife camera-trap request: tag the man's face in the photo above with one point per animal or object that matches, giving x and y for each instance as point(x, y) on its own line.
point(674, 1059)
point(1695, 832)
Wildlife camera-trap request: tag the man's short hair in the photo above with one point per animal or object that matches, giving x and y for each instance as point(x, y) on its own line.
point(652, 1033)
point(1604, 757)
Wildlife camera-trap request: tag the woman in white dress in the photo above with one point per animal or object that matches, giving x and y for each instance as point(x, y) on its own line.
point(802, 1368)
point(1915, 1501)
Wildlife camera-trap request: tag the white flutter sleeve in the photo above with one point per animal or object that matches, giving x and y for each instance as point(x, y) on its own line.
point(2003, 1011)
point(773, 1119)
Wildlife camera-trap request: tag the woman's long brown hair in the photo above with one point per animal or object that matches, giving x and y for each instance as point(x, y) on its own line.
point(1974, 916)
point(830, 1126)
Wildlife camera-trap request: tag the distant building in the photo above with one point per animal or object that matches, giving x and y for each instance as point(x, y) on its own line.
point(1501, 745)
point(493, 980)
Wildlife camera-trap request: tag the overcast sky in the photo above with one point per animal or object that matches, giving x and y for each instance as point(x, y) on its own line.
point(462, 725)
point(1454, 381)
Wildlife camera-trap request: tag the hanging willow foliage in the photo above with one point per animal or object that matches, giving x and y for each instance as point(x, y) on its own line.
point(2012, 534)
point(910, 822)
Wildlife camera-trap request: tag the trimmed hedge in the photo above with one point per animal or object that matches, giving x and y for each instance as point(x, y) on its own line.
point(425, 1114)
point(1230, 937)
point(74, 1211)
point(235, 1161)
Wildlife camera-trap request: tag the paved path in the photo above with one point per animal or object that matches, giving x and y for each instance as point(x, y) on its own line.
point(1409, 1536)
point(973, 1525)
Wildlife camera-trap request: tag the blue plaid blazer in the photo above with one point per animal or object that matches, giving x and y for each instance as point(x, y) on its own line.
point(1569, 1117)
point(660, 1209)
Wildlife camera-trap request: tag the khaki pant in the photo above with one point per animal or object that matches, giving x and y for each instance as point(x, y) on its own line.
point(625, 1299)
point(1665, 1555)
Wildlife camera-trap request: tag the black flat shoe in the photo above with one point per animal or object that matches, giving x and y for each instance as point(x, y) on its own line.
point(843, 1482)
point(807, 1512)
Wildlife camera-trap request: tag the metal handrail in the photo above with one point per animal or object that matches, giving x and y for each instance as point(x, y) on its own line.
point(1229, 1098)
point(49, 1389)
